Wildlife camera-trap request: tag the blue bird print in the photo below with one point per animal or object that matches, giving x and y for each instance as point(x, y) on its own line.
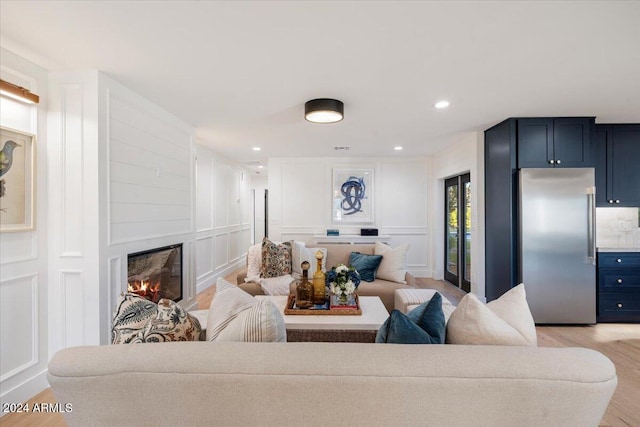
point(6, 156)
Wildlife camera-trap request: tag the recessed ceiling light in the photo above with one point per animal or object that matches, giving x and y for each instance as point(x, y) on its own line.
point(397, 148)
point(256, 148)
point(260, 166)
point(441, 104)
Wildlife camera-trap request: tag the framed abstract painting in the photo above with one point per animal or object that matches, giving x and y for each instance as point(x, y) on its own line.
point(17, 180)
point(352, 200)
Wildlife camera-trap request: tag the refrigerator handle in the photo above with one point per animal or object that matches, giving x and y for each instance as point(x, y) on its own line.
point(591, 224)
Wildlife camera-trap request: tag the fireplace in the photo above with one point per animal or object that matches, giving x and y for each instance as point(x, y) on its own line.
point(156, 273)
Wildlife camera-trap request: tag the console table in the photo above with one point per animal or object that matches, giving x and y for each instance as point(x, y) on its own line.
point(351, 239)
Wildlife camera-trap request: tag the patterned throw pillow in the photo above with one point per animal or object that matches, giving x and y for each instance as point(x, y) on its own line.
point(171, 323)
point(131, 316)
point(276, 258)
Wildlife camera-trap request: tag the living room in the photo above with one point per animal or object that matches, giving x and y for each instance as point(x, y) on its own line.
point(163, 124)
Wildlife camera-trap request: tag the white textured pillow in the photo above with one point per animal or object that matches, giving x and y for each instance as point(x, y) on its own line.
point(228, 302)
point(254, 263)
point(262, 322)
point(505, 321)
point(300, 253)
point(394, 262)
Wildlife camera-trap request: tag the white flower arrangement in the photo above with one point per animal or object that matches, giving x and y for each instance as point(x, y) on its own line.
point(343, 280)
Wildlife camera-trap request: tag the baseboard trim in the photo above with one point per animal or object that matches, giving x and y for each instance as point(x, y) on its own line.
point(210, 280)
point(26, 390)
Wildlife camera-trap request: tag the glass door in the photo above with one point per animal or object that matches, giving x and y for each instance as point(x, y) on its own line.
point(457, 238)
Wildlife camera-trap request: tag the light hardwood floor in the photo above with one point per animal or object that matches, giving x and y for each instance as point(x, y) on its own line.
point(619, 342)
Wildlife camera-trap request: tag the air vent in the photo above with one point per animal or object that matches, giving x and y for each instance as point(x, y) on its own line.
point(341, 148)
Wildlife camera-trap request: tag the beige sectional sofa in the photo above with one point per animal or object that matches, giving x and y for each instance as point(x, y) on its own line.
point(337, 254)
point(340, 384)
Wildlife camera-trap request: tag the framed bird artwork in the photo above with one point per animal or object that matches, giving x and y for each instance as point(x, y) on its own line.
point(17, 180)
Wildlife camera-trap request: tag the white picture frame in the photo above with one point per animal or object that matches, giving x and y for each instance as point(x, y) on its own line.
point(17, 180)
point(352, 196)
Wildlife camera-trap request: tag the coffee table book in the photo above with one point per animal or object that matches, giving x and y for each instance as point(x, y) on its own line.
point(323, 309)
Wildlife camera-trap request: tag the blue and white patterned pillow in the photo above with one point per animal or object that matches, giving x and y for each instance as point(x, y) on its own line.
point(131, 316)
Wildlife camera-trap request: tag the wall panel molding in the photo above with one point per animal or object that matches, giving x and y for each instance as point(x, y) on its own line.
point(32, 280)
point(72, 308)
point(72, 173)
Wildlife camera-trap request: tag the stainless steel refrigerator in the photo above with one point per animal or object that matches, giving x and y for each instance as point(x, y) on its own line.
point(557, 244)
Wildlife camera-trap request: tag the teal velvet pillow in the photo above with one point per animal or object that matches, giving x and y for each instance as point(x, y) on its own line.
point(423, 325)
point(365, 264)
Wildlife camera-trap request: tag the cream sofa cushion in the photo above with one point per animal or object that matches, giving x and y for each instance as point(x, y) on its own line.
point(505, 321)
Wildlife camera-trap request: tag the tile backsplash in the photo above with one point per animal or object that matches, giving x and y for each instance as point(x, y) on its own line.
point(617, 228)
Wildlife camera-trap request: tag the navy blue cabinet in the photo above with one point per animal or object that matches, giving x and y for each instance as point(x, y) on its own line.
point(618, 287)
point(501, 209)
point(617, 151)
point(555, 142)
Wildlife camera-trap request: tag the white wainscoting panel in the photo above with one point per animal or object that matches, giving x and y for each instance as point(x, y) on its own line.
point(73, 307)
point(221, 251)
point(19, 330)
point(204, 256)
point(117, 284)
point(304, 194)
point(18, 247)
point(204, 188)
point(402, 197)
point(72, 169)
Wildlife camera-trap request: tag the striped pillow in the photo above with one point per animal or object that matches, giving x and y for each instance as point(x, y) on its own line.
point(260, 323)
point(234, 315)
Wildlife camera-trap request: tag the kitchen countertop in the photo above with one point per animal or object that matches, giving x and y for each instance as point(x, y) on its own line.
point(618, 249)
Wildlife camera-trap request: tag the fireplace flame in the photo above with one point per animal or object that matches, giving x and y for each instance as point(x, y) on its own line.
point(145, 289)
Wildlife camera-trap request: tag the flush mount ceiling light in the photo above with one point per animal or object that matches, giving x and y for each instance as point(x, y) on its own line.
point(441, 104)
point(324, 110)
point(17, 92)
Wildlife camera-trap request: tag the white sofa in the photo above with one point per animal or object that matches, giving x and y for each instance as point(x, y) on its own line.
point(341, 384)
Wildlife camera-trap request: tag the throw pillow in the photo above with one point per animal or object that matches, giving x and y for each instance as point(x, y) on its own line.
point(131, 316)
point(300, 253)
point(262, 322)
point(505, 321)
point(413, 298)
point(172, 323)
point(276, 258)
point(365, 264)
point(394, 262)
point(254, 263)
point(228, 302)
point(423, 325)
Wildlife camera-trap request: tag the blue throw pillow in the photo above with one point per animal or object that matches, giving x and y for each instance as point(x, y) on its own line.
point(366, 265)
point(423, 325)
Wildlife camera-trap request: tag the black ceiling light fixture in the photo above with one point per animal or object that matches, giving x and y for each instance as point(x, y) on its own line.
point(324, 110)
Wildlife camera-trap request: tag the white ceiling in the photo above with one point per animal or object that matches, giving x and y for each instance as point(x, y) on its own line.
point(240, 72)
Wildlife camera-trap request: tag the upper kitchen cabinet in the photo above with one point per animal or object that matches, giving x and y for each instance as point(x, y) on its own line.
point(617, 151)
point(555, 142)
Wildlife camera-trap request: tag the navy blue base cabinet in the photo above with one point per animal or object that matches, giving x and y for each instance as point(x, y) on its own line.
point(618, 287)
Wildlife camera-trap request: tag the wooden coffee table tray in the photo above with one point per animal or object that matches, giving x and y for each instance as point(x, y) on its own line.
point(290, 309)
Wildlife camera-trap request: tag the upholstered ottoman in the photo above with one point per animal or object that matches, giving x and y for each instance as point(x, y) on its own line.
point(406, 300)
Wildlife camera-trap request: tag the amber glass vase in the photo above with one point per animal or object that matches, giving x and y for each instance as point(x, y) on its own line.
point(304, 288)
point(319, 285)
